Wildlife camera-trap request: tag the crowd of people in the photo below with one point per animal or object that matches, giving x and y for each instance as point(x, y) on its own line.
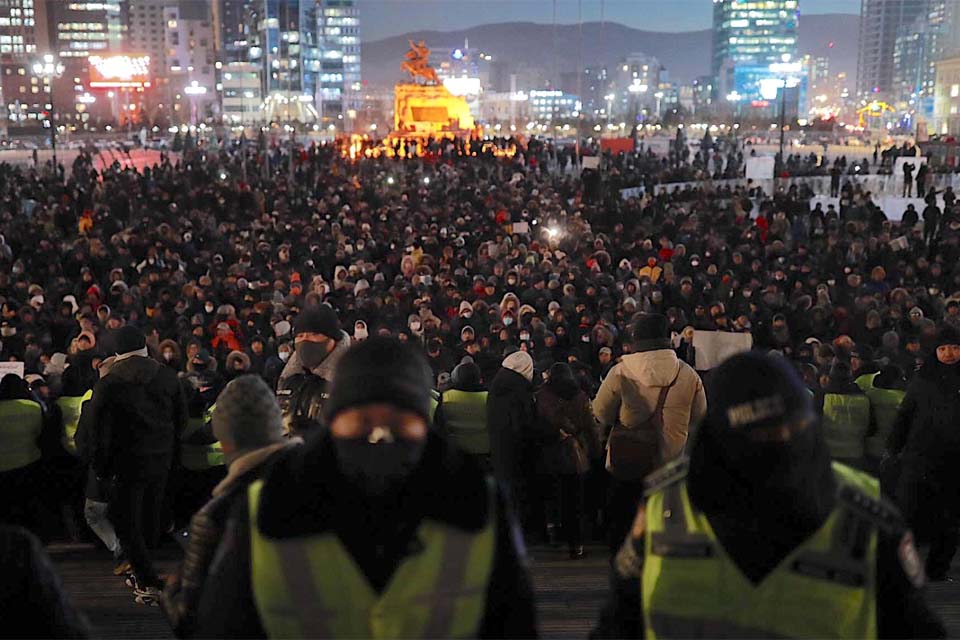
point(555, 320)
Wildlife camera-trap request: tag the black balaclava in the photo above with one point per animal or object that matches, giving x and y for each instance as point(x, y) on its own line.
point(763, 498)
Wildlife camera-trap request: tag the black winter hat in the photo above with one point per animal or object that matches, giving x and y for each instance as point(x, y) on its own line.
point(377, 370)
point(130, 338)
point(755, 390)
point(650, 331)
point(947, 335)
point(319, 318)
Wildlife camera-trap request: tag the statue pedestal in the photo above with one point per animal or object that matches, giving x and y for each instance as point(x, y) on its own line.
point(423, 111)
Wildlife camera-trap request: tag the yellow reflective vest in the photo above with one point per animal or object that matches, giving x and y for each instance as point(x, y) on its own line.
point(200, 457)
point(465, 420)
point(21, 422)
point(846, 421)
point(310, 586)
point(826, 588)
point(70, 408)
point(884, 405)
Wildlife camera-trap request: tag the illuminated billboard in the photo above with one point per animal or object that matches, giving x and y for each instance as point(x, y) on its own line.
point(119, 72)
point(462, 86)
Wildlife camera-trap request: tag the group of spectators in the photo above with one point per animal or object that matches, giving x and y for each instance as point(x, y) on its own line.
point(503, 270)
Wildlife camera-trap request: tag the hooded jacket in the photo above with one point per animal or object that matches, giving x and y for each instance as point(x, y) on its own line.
point(134, 419)
point(511, 416)
point(628, 396)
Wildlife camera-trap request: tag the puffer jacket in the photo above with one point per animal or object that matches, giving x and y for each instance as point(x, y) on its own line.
point(629, 394)
point(181, 596)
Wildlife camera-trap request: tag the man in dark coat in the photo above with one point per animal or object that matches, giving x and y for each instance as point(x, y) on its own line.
point(511, 416)
point(138, 413)
point(926, 438)
point(371, 480)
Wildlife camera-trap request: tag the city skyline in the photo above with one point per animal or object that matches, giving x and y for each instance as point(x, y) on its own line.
point(387, 18)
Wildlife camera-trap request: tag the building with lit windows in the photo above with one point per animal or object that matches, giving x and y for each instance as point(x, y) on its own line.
point(749, 36)
point(553, 105)
point(340, 86)
point(240, 91)
point(23, 99)
point(947, 98)
point(77, 29)
point(881, 22)
point(637, 80)
point(191, 61)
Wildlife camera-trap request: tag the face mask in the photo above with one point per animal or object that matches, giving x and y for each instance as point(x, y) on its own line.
point(585, 338)
point(284, 356)
point(524, 336)
point(377, 469)
point(467, 314)
point(507, 321)
point(209, 308)
point(311, 354)
point(360, 334)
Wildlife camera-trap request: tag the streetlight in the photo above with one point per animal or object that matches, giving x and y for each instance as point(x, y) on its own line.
point(50, 69)
point(659, 96)
point(786, 68)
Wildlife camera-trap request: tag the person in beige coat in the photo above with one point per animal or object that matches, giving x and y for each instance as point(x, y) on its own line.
point(628, 399)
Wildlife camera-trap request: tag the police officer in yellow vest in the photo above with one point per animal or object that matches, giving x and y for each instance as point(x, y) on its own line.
point(885, 389)
point(846, 417)
point(375, 528)
point(462, 414)
point(21, 429)
point(759, 534)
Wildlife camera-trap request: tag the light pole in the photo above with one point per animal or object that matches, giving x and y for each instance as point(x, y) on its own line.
point(50, 69)
point(786, 68)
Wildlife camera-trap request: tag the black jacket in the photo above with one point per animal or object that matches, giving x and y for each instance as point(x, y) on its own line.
point(511, 417)
point(927, 428)
point(305, 494)
point(132, 424)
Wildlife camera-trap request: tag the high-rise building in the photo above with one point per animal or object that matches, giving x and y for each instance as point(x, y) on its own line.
point(146, 28)
point(881, 21)
point(77, 30)
point(932, 36)
point(947, 91)
point(340, 82)
point(23, 98)
point(749, 36)
point(190, 60)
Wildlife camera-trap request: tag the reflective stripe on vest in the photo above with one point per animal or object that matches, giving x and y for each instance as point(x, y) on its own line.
point(200, 457)
point(312, 587)
point(70, 408)
point(21, 422)
point(885, 403)
point(824, 588)
point(846, 421)
point(465, 420)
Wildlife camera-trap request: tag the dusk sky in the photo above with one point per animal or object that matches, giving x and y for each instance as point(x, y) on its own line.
point(384, 18)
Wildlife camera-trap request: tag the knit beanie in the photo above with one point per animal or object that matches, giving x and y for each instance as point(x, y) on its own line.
point(520, 362)
point(947, 335)
point(651, 331)
point(381, 370)
point(319, 318)
point(130, 339)
point(247, 415)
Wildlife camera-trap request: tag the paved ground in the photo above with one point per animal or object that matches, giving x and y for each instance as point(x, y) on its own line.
point(569, 594)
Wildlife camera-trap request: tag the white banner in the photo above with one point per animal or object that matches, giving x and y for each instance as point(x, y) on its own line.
point(591, 162)
point(16, 368)
point(713, 347)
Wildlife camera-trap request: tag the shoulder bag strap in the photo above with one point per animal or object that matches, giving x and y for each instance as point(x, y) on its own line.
point(662, 398)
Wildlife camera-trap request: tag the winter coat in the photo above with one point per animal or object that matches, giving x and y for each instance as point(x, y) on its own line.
point(573, 416)
point(927, 428)
point(629, 395)
point(181, 597)
point(133, 421)
point(326, 368)
point(305, 495)
point(511, 418)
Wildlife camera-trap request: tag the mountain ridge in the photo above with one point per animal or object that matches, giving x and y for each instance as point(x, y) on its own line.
point(685, 54)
